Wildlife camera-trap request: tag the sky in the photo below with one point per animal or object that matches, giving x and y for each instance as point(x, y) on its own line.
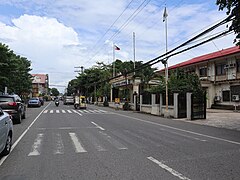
point(59, 35)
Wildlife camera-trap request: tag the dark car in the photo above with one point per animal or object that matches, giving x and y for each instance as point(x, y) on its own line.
point(6, 132)
point(13, 105)
point(34, 102)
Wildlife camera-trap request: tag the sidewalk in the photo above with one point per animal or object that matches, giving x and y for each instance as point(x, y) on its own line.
point(221, 118)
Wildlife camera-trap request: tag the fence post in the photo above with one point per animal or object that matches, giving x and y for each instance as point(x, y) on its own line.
point(141, 99)
point(175, 98)
point(160, 104)
point(134, 102)
point(153, 99)
point(189, 106)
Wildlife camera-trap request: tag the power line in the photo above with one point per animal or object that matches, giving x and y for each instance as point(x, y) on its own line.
point(113, 24)
point(133, 15)
point(167, 55)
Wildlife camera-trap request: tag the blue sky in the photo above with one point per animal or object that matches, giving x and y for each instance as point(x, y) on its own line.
point(60, 35)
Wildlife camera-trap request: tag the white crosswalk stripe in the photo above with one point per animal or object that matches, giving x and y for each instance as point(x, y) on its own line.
point(36, 146)
point(78, 146)
point(94, 111)
point(59, 148)
point(57, 143)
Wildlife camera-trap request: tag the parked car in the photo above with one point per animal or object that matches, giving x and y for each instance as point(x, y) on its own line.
point(6, 132)
point(13, 105)
point(34, 102)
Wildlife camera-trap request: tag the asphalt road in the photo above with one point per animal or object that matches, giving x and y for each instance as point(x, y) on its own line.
point(55, 143)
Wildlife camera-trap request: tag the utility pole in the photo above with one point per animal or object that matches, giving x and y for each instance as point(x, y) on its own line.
point(134, 52)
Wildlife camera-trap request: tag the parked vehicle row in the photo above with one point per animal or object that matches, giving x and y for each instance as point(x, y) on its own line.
point(6, 133)
point(12, 110)
point(13, 105)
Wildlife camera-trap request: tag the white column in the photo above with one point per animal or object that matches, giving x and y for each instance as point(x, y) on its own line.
point(189, 106)
point(176, 105)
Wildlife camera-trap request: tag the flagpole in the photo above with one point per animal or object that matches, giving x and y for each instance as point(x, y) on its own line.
point(113, 60)
point(166, 61)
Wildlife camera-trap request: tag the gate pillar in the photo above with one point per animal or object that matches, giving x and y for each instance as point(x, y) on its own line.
point(175, 105)
point(189, 106)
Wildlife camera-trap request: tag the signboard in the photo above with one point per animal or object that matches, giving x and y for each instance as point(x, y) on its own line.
point(121, 83)
point(117, 100)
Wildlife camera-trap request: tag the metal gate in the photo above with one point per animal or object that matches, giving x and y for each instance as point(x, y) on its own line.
point(198, 106)
point(182, 105)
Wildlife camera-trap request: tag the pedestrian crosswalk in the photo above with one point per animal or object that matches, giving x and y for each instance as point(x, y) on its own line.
point(70, 111)
point(77, 143)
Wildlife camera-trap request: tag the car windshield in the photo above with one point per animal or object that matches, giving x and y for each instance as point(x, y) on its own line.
point(6, 99)
point(34, 99)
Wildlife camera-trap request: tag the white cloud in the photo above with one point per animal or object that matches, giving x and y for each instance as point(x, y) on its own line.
point(43, 40)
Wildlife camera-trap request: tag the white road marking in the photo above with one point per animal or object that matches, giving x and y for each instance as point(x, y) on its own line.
point(22, 135)
point(102, 110)
point(85, 111)
point(80, 111)
point(203, 140)
point(51, 111)
point(36, 146)
point(97, 111)
point(191, 132)
point(69, 111)
point(77, 112)
point(57, 111)
point(63, 111)
point(172, 171)
point(59, 149)
point(91, 111)
point(98, 126)
point(78, 146)
point(114, 142)
point(45, 111)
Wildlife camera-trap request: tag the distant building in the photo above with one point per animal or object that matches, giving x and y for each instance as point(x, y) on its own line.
point(219, 73)
point(40, 84)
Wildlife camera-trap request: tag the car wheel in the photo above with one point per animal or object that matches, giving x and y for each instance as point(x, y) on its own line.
point(19, 119)
point(24, 115)
point(8, 146)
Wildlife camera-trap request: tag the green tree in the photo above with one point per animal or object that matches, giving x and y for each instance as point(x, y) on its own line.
point(14, 72)
point(179, 81)
point(233, 9)
point(55, 92)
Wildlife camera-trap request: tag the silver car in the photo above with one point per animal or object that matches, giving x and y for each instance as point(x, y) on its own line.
point(6, 133)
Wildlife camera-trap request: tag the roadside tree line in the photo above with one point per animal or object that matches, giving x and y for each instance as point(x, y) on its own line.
point(94, 81)
point(14, 72)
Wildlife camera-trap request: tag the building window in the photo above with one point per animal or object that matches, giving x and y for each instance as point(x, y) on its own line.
point(203, 71)
point(226, 95)
point(220, 69)
point(238, 66)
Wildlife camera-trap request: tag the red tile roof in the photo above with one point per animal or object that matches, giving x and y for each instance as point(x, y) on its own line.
point(207, 57)
point(39, 78)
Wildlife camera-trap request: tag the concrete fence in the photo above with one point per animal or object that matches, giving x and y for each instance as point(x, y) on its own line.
point(157, 109)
